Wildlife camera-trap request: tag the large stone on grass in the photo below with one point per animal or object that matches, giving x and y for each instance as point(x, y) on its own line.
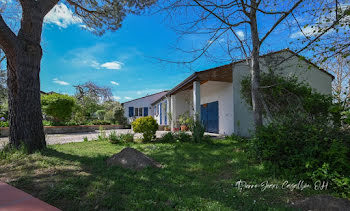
point(132, 159)
point(323, 202)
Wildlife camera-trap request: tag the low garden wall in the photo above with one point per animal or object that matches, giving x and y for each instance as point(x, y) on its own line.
point(4, 131)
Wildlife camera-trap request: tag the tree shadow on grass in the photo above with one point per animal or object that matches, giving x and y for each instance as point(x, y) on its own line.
point(191, 179)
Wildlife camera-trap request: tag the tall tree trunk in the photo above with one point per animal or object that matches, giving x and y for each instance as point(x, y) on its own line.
point(24, 99)
point(23, 69)
point(255, 68)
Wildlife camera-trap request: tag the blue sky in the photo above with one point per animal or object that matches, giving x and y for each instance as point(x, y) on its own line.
point(124, 59)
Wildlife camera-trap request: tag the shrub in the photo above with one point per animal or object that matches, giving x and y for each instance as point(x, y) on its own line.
point(85, 139)
point(113, 137)
point(102, 135)
point(127, 137)
point(168, 137)
point(182, 137)
point(296, 147)
point(99, 122)
point(100, 114)
point(58, 106)
point(147, 126)
point(197, 129)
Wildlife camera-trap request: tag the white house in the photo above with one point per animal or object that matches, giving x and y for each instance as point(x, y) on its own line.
point(215, 94)
point(141, 106)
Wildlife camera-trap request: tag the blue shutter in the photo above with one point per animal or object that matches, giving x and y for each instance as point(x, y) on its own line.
point(160, 113)
point(145, 111)
point(166, 113)
point(131, 111)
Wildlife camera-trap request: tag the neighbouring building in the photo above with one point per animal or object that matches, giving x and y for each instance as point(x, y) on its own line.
point(215, 94)
point(141, 106)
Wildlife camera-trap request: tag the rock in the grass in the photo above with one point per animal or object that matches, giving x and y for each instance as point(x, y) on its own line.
point(323, 202)
point(132, 159)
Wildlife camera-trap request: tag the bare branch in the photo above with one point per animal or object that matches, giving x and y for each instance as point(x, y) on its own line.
point(280, 20)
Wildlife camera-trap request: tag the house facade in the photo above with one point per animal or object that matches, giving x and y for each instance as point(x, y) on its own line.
point(139, 107)
point(215, 94)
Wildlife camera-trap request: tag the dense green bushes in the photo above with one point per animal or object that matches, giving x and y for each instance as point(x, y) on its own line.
point(307, 136)
point(147, 126)
point(57, 106)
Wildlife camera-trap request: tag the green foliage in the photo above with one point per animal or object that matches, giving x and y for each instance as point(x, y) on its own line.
point(307, 136)
point(184, 119)
point(121, 138)
point(285, 96)
point(182, 137)
point(147, 126)
point(4, 124)
point(99, 122)
point(58, 106)
point(85, 139)
point(296, 147)
point(127, 137)
point(168, 138)
point(197, 129)
point(100, 114)
point(102, 135)
point(113, 138)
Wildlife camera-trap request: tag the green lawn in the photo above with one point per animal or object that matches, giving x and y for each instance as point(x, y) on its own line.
point(195, 177)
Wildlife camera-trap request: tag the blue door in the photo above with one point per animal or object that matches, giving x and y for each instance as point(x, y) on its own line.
point(145, 111)
point(210, 117)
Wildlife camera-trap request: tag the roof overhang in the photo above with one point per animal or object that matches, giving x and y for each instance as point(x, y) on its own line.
point(222, 73)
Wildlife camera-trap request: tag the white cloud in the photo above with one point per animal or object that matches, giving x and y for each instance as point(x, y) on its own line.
point(115, 65)
point(115, 83)
point(94, 64)
point(62, 16)
point(63, 83)
point(240, 34)
point(117, 98)
point(128, 98)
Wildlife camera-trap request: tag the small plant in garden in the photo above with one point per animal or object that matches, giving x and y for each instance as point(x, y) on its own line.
point(197, 129)
point(113, 137)
point(85, 139)
point(168, 137)
point(102, 134)
point(147, 126)
point(182, 137)
point(127, 137)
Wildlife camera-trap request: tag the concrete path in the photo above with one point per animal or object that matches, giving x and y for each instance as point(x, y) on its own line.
point(13, 199)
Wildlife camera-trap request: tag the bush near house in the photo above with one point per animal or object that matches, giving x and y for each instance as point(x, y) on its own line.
point(308, 135)
point(147, 126)
point(57, 106)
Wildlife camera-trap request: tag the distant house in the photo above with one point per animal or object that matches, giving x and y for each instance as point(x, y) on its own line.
point(141, 106)
point(215, 94)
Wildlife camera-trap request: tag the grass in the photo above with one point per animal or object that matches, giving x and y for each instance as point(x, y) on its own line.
point(195, 177)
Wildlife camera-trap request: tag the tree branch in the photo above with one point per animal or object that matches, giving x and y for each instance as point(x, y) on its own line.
point(280, 20)
point(7, 37)
point(47, 5)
